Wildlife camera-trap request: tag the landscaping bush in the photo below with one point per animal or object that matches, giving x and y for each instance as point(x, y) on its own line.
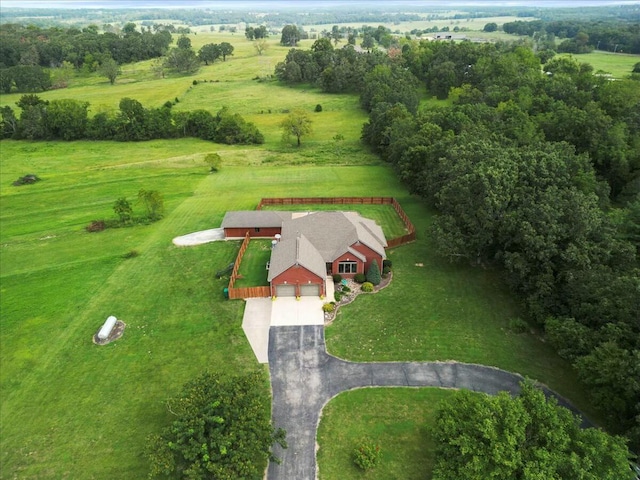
point(373, 274)
point(367, 454)
point(386, 263)
point(338, 295)
point(328, 307)
point(367, 287)
point(337, 278)
point(345, 289)
point(359, 278)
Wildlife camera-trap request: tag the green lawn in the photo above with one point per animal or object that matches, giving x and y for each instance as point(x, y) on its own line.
point(397, 419)
point(253, 268)
point(619, 65)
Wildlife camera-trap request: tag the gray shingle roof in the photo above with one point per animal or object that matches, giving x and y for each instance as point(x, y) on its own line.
point(254, 219)
point(296, 250)
point(332, 233)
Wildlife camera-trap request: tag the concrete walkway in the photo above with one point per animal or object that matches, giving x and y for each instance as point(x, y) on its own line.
point(304, 378)
point(198, 238)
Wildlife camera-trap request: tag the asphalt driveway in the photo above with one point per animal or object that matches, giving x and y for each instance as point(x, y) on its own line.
point(304, 378)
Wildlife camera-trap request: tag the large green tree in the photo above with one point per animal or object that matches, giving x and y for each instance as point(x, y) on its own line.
point(290, 36)
point(480, 437)
point(297, 124)
point(109, 68)
point(221, 430)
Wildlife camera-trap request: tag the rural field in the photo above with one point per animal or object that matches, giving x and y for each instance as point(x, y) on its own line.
point(71, 409)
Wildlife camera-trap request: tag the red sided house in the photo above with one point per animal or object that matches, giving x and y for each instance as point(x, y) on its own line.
point(311, 246)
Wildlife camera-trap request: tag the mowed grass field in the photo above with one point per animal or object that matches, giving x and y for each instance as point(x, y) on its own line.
point(620, 65)
point(71, 409)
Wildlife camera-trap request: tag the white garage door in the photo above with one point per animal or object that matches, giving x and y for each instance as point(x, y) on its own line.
point(285, 290)
point(310, 290)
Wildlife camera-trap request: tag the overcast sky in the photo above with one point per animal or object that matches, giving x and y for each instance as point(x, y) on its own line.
point(275, 4)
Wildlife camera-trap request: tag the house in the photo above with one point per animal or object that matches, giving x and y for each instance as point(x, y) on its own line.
point(310, 246)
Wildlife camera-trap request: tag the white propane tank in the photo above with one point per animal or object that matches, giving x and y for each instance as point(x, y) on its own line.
point(104, 332)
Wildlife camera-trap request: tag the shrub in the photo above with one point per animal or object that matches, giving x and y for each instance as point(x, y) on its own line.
point(96, 226)
point(345, 289)
point(518, 325)
point(328, 307)
point(367, 454)
point(26, 180)
point(338, 295)
point(318, 108)
point(337, 278)
point(195, 82)
point(373, 274)
point(367, 287)
point(386, 263)
point(359, 278)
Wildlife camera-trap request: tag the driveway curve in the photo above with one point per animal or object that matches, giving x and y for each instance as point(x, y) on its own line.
point(304, 377)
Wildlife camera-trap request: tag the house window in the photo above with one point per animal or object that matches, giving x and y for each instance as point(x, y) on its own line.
point(257, 230)
point(347, 267)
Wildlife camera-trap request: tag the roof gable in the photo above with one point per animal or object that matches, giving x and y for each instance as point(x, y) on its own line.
point(293, 251)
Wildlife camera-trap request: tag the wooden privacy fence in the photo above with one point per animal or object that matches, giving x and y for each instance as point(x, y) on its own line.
point(410, 236)
point(249, 292)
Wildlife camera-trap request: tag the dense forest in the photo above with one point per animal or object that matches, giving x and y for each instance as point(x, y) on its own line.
point(533, 169)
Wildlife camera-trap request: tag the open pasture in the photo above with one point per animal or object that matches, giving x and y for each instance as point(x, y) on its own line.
point(619, 65)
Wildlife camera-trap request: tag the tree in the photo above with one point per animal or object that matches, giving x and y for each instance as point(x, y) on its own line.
point(221, 430)
point(260, 45)
point(491, 27)
point(214, 161)
point(479, 437)
point(67, 119)
point(368, 42)
point(123, 210)
point(184, 43)
point(296, 124)
point(226, 49)
point(290, 36)
point(209, 53)
point(153, 203)
point(373, 273)
point(182, 60)
point(109, 68)
point(250, 33)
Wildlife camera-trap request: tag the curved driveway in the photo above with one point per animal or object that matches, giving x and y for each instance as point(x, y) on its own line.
point(304, 378)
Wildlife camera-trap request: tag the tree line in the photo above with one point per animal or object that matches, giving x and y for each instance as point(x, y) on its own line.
point(68, 119)
point(538, 173)
point(29, 55)
point(583, 36)
point(51, 47)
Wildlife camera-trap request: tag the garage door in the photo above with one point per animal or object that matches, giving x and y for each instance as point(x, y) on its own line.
point(310, 290)
point(285, 290)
